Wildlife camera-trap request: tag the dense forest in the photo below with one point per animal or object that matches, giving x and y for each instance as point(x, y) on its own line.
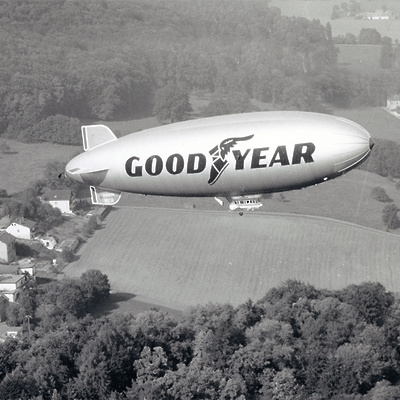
point(68, 61)
point(297, 342)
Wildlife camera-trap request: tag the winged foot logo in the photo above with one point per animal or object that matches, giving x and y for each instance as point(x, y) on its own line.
point(218, 154)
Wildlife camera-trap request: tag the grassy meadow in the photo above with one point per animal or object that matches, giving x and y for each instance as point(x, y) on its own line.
point(322, 10)
point(180, 258)
point(379, 123)
point(359, 58)
point(25, 163)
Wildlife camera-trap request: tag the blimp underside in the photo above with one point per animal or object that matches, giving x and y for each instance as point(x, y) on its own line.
point(239, 157)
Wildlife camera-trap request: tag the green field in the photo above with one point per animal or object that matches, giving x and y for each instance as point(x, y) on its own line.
point(179, 258)
point(26, 162)
point(322, 10)
point(359, 58)
point(379, 123)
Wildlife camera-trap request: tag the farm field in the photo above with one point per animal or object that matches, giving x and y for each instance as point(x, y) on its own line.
point(379, 123)
point(26, 162)
point(180, 258)
point(322, 10)
point(359, 58)
point(347, 198)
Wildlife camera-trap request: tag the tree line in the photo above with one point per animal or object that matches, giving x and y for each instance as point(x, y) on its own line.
point(297, 342)
point(64, 61)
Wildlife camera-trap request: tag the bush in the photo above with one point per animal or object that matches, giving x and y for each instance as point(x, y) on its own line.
point(389, 216)
point(67, 255)
point(379, 194)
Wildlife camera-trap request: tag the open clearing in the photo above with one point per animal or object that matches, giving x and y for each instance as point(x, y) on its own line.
point(26, 162)
point(322, 10)
point(180, 258)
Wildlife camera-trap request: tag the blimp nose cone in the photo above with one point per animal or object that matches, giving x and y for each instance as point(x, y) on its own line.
point(72, 170)
point(371, 144)
point(87, 168)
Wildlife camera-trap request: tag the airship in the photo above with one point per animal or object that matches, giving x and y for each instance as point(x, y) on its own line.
point(239, 157)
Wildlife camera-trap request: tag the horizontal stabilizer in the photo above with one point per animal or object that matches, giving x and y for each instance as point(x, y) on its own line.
point(95, 135)
point(104, 197)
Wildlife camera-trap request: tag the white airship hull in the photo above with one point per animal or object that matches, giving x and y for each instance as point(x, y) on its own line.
point(226, 156)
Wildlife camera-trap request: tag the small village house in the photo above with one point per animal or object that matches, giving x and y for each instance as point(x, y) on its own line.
point(7, 248)
point(9, 331)
point(11, 285)
point(393, 102)
point(28, 269)
point(22, 229)
point(379, 15)
point(60, 199)
point(49, 242)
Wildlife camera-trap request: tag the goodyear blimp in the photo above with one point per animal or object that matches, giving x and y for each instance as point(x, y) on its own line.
point(238, 157)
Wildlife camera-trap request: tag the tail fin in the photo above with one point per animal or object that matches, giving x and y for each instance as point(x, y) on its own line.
point(95, 135)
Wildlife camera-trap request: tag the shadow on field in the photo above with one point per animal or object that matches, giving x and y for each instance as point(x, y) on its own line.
point(121, 302)
point(113, 303)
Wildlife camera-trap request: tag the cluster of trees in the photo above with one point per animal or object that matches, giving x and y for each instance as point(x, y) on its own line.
point(68, 60)
point(390, 216)
point(51, 305)
point(28, 205)
point(295, 343)
point(350, 9)
point(389, 212)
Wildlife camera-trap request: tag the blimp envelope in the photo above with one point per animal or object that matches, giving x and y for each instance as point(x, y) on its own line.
point(239, 156)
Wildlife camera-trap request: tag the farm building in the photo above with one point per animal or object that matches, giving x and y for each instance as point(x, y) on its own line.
point(10, 285)
point(393, 102)
point(7, 247)
point(60, 199)
point(49, 242)
point(378, 15)
point(22, 228)
point(28, 270)
point(9, 331)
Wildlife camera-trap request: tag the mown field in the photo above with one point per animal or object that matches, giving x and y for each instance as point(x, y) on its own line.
point(379, 123)
point(359, 58)
point(26, 162)
point(179, 258)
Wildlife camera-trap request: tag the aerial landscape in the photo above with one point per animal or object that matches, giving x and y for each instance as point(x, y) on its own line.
point(146, 287)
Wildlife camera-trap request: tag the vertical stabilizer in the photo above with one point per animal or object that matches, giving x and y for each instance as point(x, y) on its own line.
point(96, 135)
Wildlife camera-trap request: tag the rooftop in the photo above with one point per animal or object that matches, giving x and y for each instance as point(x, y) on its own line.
point(11, 278)
point(57, 195)
point(6, 238)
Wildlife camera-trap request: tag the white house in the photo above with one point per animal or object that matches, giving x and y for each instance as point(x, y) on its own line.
point(7, 247)
point(10, 285)
point(60, 199)
point(393, 102)
point(49, 242)
point(379, 15)
point(22, 229)
point(8, 331)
